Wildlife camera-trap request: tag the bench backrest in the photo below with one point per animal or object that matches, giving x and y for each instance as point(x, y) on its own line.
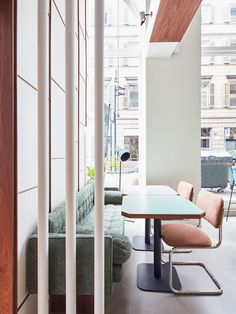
point(84, 204)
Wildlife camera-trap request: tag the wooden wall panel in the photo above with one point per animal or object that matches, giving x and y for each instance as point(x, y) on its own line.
point(172, 20)
point(8, 178)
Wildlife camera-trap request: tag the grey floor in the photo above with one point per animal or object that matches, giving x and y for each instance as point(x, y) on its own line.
point(128, 299)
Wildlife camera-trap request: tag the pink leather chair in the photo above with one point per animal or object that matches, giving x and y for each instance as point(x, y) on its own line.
point(185, 236)
point(185, 189)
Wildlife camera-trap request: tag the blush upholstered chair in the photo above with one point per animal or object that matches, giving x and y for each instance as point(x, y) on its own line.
point(185, 189)
point(185, 236)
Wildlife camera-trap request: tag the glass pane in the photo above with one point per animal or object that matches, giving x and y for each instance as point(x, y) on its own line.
point(233, 102)
point(133, 94)
point(204, 98)
point(233, 11)
point(232, 88)
point(131, 143)
point(205, 143)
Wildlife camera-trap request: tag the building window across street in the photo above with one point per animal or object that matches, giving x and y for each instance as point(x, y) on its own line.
point(132, 144)
point(133, 96)
point(233, 13)
point(207, 95)
point(208, 14)
point(230, 139)
point(230, 94)
point(205, 137)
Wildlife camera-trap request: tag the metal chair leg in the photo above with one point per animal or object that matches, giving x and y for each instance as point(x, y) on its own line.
point(232, 188)
point(219, 291)
point(199, 223)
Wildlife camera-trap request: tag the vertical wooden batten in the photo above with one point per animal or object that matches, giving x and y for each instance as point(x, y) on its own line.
point(99, 284)
point(8, 158)
point(50, 103)
point(78, 152)
point(43, 158)
point(86, 67)
point(70, 22)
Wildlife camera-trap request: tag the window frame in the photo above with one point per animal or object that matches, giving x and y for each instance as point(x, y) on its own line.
point(129, 97)
point(210, 94)
point(206, 138)
point(228, 95)
point(127, 145)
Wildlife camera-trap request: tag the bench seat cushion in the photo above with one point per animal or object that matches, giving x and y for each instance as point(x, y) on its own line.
point(113, 221)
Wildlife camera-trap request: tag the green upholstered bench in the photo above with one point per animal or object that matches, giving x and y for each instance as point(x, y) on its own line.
point(117, 246)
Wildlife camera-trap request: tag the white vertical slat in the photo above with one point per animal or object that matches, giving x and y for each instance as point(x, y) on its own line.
point(99, 156)
point(70, 67)
point(43, 173)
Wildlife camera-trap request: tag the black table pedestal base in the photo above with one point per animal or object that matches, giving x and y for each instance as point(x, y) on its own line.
point(139, 244)
point(148, 282)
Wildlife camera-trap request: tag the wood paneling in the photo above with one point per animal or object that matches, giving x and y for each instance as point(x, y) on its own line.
point(85, 304)
point(172, 20)
point(8, 180)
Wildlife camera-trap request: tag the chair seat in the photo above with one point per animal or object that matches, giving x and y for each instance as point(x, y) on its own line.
point(184, 235)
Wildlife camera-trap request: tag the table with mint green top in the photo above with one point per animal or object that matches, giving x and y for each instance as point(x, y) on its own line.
point(148, 190)
point(145, 242)
point(155, 277)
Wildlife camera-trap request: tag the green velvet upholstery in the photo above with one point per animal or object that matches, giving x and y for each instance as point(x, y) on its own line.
point(117, 272)
point(114, 226)
point(113, 221)
point(84, 204)
point(113, 197)
point(84, 264)
point(117, 246)
point(85, 201)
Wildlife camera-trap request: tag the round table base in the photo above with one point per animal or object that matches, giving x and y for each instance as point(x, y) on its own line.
point(139, 244)
point(148, 282)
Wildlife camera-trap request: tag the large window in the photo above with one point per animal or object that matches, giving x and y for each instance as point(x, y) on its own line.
point(132, 143)
point(121, 94)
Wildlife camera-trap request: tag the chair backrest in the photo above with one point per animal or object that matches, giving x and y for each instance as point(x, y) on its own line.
point(185, 189)
point(213, 205)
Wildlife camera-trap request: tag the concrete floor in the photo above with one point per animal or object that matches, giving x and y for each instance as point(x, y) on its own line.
point(128, 299)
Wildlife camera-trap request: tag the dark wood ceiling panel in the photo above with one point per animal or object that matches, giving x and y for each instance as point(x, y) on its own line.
point(172, 20)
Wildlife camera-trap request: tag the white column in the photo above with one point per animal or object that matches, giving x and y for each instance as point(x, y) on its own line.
point(70, 7)
point(43, 173)
point(99, 156)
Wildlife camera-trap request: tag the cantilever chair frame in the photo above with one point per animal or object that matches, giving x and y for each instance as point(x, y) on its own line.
point(219, 291)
